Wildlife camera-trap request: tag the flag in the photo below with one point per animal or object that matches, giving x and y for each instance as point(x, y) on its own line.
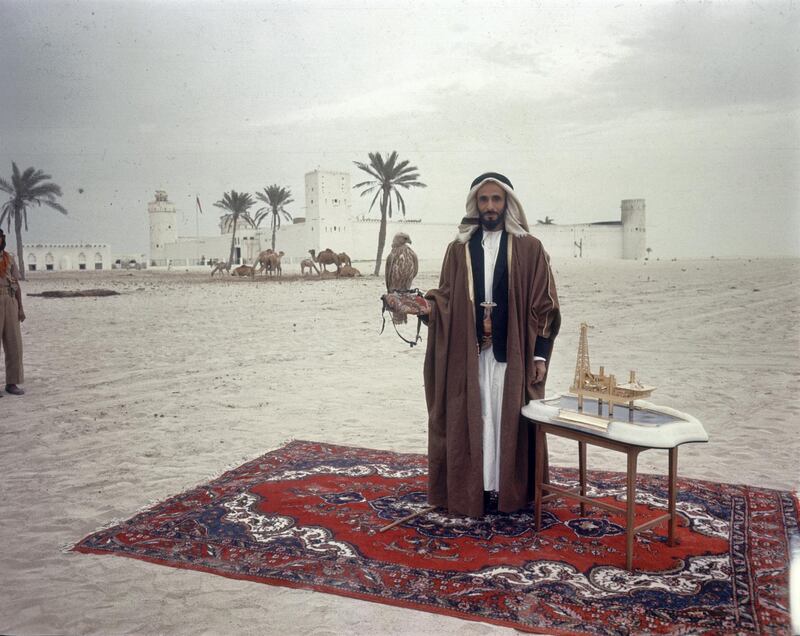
point(199, 207)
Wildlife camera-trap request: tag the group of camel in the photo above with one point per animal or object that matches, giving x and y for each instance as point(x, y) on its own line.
point(269, 262)
point(340, 261)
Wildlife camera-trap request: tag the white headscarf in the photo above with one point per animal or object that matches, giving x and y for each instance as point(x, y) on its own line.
point(515, 221)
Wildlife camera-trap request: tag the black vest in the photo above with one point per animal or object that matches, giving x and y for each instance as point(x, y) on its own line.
point(499, 293)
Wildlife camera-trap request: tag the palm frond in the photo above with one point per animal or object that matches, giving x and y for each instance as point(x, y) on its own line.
point(260, 215)
point(44, 190)
point(372, 183)
point(375, 198)
point(400, 203)
point(56, 206)
point(376, 161)
point(368, 169)
point(369, 190)
point(400, 168)
point(7, 209)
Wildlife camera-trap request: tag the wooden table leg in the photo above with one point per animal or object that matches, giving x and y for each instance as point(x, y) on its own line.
point(630, 506)
point(539, 456)
point(673, 493)
point(582, 473)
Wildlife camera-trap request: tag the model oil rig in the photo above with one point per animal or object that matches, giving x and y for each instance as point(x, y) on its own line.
point(601, 386)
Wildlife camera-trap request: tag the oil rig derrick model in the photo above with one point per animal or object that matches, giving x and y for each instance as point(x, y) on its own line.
point(601, 386)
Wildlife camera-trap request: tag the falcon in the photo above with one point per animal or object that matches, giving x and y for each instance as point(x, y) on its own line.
point(401, 268)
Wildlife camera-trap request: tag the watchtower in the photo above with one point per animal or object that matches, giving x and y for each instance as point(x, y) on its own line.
point(634, 235)
point(163, 227)
point(328, 216)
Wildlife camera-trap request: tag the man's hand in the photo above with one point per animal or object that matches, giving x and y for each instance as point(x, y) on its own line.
point(21, 315)
point(539, 370)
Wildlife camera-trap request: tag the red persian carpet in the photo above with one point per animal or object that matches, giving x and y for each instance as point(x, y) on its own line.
point(308, 515)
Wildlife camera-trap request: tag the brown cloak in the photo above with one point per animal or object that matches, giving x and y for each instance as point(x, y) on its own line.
point(455, 439)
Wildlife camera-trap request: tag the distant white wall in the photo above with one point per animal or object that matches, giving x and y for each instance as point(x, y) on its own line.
point(584, 240)
point(329, 223)
point(428, 240)
point(193, 251)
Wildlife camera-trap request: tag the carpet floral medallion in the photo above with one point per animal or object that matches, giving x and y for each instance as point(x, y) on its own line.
point(309, 515)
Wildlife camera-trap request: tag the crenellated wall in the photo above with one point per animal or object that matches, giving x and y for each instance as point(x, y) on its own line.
point(329, 223)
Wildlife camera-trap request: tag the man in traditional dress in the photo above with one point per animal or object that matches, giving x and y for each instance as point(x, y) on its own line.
point(11, 315)
point(491, 325)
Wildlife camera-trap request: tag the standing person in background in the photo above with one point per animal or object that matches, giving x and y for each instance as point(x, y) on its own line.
point(11, 315)
point(491, 325)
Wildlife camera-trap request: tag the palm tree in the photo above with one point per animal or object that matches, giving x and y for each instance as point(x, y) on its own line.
point(388, 176)
point(25, 189)
point(547, 221)
point(237, 204)
point(276, 197)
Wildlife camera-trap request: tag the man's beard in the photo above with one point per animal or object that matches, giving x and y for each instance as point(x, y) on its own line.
point(493, 225)
point(2, 244)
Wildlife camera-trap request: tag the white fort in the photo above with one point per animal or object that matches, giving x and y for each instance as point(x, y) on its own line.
point(331, 223)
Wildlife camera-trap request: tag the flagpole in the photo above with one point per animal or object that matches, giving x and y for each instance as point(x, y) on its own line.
point(197, 226)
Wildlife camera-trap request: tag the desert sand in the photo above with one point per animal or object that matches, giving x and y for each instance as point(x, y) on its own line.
point(137, 397)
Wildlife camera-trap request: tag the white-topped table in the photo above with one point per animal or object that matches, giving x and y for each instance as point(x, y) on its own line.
point(646, 427)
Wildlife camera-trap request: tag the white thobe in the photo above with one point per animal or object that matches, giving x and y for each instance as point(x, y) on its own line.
point(491, 376)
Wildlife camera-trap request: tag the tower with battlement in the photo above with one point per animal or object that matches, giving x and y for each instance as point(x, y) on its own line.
point(634, 236)
point(163, 227)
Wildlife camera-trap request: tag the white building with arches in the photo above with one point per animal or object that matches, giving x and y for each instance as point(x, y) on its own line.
point(46, 257)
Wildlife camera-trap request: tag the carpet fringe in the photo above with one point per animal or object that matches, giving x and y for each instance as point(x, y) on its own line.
point(69, 548)
point(230, 467)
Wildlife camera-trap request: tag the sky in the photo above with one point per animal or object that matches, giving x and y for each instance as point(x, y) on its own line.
point(694, 107)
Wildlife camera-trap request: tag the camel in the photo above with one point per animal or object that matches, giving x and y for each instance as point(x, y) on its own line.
point(263, 260)
point(307, 264)
point(275, 263)
point(344, 259)
point(349, 272)
point(244, 270)
point(220, 266)
point(326, 257)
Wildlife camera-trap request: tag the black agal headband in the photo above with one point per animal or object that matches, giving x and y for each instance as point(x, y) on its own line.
point(492, 175)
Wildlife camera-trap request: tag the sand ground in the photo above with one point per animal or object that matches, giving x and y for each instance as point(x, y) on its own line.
point(136, 397)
